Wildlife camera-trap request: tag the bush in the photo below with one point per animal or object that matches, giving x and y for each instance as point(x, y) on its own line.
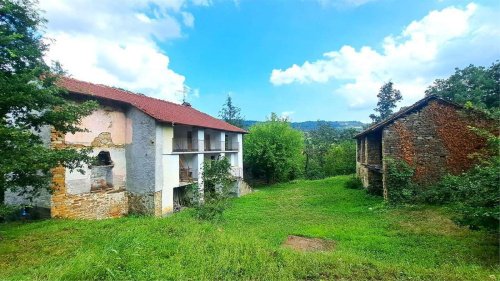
point(217, 180)
point(400, 187)
point(274, 150)
point(314, 170)
point(7, 212)
point(341, 159)
point(353, 183)
point(475, 193)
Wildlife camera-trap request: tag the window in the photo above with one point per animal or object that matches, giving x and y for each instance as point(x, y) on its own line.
point(101, 174)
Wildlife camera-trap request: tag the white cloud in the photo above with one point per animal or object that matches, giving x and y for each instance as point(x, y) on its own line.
point(287, 114)
point(343, 3)
point(188, 19)
point(114, 42)
point(441, 40)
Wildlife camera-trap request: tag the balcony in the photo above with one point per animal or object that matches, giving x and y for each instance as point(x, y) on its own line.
point(232, 146)
point(190, 145)
point(213, 145)
point(185, 145)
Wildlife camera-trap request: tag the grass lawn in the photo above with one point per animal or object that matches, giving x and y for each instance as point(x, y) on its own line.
point(372, 242)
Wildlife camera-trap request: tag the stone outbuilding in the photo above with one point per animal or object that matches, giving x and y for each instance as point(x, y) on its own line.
point(148, 151)
point(433, 136)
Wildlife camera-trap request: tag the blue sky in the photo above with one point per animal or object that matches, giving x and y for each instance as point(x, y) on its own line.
point(309, 60)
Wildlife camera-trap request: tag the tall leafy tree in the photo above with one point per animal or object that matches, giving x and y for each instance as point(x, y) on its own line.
point(319, 153)
point(475, 84)
point(273, 150)
point(388, 97)
point(340, 159)
point(31, 102)
point(231, 113)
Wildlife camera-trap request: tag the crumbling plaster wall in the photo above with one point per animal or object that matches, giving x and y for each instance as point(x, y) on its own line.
point(107, 130)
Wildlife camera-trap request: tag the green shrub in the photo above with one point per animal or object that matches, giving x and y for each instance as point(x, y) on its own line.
point(217, 179)
point(353, 183)
point(314, 171)
point(274, 150)
point(400, 187)
point(475, 194)
point(7, 212)
point(341, 159)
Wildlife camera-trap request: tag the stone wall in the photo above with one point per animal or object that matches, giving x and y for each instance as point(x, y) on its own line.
point(92, 205)
point(145, 203)
point(435, 141)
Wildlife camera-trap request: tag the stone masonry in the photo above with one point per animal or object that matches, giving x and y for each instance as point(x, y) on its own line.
point(433, 136)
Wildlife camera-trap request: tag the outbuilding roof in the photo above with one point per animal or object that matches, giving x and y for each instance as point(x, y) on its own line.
point(161, 110)
point(403, 112)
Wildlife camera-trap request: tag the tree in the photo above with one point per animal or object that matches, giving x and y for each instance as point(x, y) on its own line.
point(475, 84)
point(319, 153)
point(387, 99)
point(340, 159)
point(274, 150)
point(231, 113)
point(31, 102)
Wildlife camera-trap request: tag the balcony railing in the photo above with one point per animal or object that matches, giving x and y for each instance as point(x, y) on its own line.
point(213, 145)
point(232, 146)
point(185, 144)
point(191, 145)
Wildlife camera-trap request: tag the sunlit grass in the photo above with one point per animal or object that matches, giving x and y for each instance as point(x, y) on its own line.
point(372, 242)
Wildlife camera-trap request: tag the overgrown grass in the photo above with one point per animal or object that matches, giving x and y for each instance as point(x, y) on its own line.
point(372, 242)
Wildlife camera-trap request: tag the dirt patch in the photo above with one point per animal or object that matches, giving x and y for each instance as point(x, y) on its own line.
point(305, 244)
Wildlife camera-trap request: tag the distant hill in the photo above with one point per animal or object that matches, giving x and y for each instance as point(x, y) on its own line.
point(311, 125)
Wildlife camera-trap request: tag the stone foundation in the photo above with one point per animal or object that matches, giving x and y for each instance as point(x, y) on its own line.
point(92, 205)
point(145, 204)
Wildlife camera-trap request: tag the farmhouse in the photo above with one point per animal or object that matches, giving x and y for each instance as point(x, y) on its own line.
point(148, 151)
point(433, 136)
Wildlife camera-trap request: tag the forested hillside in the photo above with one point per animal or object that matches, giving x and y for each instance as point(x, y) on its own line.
point(313, 125)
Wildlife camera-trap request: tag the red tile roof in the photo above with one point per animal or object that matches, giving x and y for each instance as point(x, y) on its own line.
point(161, 110)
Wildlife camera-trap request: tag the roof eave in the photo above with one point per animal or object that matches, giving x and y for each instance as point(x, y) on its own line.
point(380, 125)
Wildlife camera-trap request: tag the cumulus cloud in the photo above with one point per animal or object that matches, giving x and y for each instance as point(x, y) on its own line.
point(115, 42)
point(412, 59)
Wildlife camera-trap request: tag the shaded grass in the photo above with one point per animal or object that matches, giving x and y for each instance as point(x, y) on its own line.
point(372, 242)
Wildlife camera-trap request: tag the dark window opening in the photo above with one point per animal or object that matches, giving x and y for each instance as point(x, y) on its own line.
point(104, 159)
point(101, 173)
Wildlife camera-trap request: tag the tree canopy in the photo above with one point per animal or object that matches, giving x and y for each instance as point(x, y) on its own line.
point(231, 113)
point(475, 84)
point(273, 150)
point(327, 151)
point(388, 97)
point(31, 102)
